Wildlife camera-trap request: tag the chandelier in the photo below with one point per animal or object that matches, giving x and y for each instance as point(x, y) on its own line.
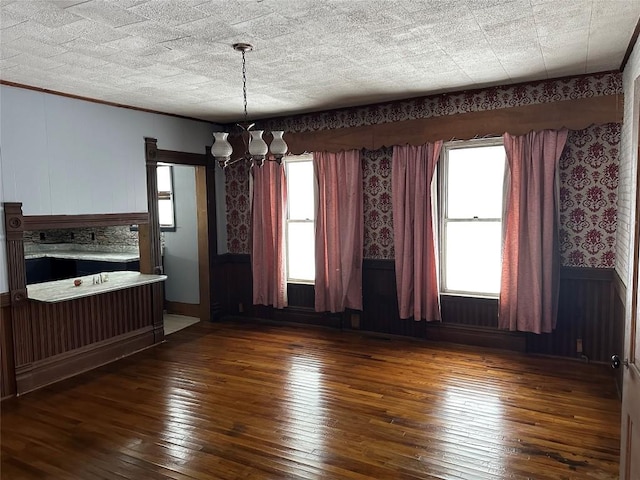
point(255, 148)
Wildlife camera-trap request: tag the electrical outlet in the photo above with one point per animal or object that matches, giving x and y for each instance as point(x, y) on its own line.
point(240, 307)
point(579, 345)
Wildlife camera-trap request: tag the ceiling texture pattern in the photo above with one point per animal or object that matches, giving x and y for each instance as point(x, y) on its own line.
point(175, 56)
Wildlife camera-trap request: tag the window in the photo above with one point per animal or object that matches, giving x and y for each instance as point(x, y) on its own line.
point(300, 226)
point(165, 197)
point(471, 192)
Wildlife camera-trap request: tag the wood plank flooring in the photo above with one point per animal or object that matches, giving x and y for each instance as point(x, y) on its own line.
point(257, 401)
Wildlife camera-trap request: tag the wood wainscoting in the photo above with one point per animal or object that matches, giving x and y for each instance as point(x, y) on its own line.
point(44, 342)
point(587, 311)
point(7, 368)
point(70, 337)
point(619, 302)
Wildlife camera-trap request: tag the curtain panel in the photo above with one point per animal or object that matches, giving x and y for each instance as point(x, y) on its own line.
point(339, 231)
point(268, 216)
point(412, 170)
point(530, 256)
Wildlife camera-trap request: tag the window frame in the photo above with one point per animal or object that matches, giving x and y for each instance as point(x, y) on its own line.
point(161, 194)
point(442, 209)
point(287, 160)
point(167, 195)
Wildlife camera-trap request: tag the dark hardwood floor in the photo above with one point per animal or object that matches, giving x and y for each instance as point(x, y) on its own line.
point(239, 400)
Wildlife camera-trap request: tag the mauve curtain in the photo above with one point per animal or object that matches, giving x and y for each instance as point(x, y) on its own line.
point(267, 244)
point(339, 231)
point(530, 258)
point(412, 169)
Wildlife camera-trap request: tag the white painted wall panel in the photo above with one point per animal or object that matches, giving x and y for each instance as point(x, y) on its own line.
point(68, 156)
point(23, 139)
point(63, 156)
point(628, 168)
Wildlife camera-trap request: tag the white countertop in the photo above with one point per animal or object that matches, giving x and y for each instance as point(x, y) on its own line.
point(79, 255)
point(61, 290)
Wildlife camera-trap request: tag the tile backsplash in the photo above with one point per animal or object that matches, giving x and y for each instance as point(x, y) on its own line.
point(99, 237)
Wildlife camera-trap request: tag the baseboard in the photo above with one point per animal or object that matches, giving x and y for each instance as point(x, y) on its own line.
point(59, 367)
point(308, 316)
point(180, 308)
point(477, 336)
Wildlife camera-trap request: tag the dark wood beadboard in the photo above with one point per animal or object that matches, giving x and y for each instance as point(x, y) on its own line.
point(257, 401)
point(7, 367)
point(586, 311)
point(68, 337)
point(64, 326)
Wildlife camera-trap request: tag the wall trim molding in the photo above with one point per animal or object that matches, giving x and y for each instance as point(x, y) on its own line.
point(44, 222)
point(378, 264)
point(488, 337)
point(186, 309)
point(587, 273)
point(632, 43)
point(184, 158)
point(231, 258)
point(59, 367)
point(95, 100)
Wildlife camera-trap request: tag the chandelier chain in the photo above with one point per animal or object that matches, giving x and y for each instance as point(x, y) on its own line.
point(244, 85)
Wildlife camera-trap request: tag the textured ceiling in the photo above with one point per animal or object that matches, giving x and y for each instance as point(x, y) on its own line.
point(175, 56)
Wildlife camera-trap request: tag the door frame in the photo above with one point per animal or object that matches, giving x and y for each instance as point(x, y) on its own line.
point(630, 409)
point(150, 242)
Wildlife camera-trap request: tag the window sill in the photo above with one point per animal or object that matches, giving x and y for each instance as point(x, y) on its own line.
point(469, 296)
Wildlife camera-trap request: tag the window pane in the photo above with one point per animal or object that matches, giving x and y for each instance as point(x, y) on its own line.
point(474, 183)
point(164, 178)
point(300, 190)
point(165, 212)
point(301, 256)
point(473, 251)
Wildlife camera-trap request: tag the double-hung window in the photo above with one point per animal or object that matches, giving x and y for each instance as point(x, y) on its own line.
point(300, 226)
point(471, 208)
point(166, 211)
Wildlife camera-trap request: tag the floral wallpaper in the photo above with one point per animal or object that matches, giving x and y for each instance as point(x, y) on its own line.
point(588, 167)
point(493, 98)
point(378, 220)
point(588, 196)
point(238, 208)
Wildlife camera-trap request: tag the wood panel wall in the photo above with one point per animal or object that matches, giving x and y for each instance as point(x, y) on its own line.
point(587, 311)
point(7, 368)
point(619, 301)
point(74, 336)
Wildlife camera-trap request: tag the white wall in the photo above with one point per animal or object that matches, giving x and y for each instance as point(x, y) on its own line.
point(181, 247)
point(65, 156)
point(628, 167)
